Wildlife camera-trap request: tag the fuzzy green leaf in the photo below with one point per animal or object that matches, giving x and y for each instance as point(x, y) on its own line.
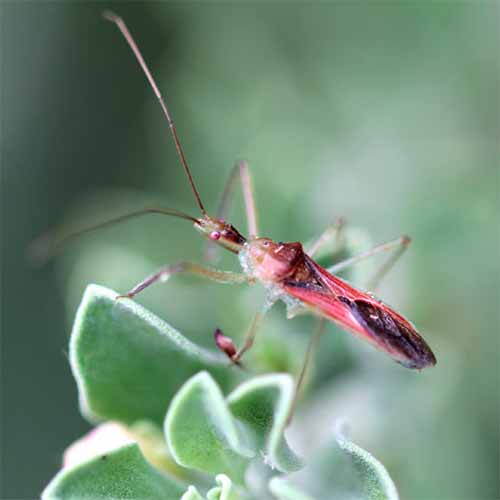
point(283, 489)
point(225, 490)
point(192, 494)
point(208, 433)
point(262, 406)
point(128, 363)
point(123, 473)
point(342, 470)
point(377, 484)
point(201, 432)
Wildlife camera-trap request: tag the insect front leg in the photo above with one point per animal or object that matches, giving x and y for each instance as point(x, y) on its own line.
point(249, 197)
point(333, 230)
point(242, 172)
point(249, 337)
point(164, 273)
point(398, 247)
point(226, 345)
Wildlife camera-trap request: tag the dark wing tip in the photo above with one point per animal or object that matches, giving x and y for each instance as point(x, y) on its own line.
point(394, 334)
point(425, 360)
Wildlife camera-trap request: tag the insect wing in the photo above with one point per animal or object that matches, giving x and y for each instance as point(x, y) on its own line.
point(363, 315)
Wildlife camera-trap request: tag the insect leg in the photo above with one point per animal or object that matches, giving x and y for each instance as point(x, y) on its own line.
point(226, 198)
point(399, 246)
point(164, 273)
point(249, 197)
point(399, 250)
point(241, 171)
point(222, 210)
point(311, 348)
point(249, 337)
point(333, 230)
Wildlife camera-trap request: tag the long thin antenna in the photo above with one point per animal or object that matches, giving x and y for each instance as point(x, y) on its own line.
point(48, 244)
point(110, 16)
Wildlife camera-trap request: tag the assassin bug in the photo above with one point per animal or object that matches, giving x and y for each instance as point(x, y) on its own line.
point(287, 271)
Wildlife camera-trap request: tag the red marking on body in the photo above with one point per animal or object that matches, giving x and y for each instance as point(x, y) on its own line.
point(363, 315)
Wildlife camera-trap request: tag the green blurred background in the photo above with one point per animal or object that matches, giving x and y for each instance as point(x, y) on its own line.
point(386, 113)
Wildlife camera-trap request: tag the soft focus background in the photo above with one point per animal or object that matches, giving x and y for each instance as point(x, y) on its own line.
point(386, 113)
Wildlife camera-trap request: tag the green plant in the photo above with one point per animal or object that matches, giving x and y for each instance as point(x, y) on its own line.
point(174, 434)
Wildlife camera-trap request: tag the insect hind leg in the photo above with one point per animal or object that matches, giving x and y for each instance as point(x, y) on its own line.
point(334, 230)
point(308, 358)
point(397, 246)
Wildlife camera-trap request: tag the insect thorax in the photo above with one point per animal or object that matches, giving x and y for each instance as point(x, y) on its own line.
point(274, 290)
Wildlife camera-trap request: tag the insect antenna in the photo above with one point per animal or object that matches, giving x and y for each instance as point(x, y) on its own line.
point(110, 16)
point(48, 244)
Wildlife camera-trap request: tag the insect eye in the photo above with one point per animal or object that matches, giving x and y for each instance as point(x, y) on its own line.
point(214, 235)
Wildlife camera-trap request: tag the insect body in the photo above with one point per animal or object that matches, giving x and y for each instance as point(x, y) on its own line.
point(288, 272)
